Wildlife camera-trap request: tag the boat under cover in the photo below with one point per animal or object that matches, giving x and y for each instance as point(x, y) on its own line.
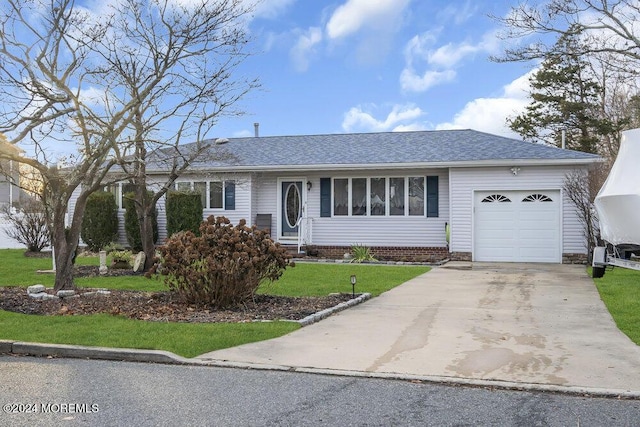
point(618, 201)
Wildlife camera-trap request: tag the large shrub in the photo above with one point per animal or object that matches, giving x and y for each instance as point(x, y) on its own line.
point(184, 211)
point(132, 224)
point(100, 222)
point(223, 266)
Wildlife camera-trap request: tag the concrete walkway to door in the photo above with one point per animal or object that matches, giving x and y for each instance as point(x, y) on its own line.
point(520, 323)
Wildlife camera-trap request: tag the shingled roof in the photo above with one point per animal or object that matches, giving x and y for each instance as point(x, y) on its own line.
point(444, 148)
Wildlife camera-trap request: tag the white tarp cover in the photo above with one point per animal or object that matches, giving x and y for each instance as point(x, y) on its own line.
point(618, 202)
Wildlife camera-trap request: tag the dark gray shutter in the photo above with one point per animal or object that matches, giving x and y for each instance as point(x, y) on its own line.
point(325, 197)
point(229, 195)
point(432, 196)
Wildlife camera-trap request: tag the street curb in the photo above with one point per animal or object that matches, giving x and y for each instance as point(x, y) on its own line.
point(166, 357)
point(434, 379)
point(86, 352)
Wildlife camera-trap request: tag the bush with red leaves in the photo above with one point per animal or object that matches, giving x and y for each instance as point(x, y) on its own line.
point(223, 266)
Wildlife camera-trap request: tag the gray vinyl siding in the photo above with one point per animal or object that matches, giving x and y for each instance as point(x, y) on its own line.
point(266, 198)
point(366, 230)
point(464, 181)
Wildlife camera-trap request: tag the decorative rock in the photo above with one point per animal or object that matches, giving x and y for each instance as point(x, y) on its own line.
point(35, 289)
point(39, 295)
point(65, 293)
point(138, 264)
point(103, 292)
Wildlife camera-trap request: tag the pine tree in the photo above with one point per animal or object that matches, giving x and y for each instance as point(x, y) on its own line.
point(565, 97)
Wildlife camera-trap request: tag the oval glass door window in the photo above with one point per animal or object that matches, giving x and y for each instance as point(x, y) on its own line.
point(292, 205)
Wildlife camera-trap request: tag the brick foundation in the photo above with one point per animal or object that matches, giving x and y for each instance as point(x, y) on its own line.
point(384, 253)
point(574, 258)
point(414, 254)
point(461, 256)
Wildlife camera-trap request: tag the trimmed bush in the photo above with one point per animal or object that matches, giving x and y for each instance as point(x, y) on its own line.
point(223, 266)
point(100, 222)
point(132, 225)
point(184, 212)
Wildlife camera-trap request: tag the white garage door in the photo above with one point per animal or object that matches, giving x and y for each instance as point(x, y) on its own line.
point(517, 226)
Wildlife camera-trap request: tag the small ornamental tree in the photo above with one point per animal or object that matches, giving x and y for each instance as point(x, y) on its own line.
point(223, 266)
point(132, 224)
point(100, 222)
point(184, 211)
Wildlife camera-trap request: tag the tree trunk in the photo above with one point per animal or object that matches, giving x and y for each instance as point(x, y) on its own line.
point(64, 273)
point(146, 237)
point(64, 251)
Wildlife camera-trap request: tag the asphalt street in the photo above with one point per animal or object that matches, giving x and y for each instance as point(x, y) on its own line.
point(76, 392)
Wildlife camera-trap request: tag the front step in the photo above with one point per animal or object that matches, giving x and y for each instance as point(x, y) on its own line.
point(293, 250)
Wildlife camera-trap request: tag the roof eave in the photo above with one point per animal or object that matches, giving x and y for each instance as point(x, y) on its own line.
point(412, 165)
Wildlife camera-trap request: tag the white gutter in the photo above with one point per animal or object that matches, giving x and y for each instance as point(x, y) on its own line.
point(377, 166)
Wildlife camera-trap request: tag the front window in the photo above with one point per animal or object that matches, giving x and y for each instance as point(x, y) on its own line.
point(378, 196)
point(416, 195)
point(340, 197)
point(396, 196)
point(359, 196)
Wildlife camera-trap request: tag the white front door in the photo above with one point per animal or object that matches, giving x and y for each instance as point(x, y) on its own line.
point(517, 226)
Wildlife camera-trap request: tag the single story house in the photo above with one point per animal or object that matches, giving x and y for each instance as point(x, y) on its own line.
point(425, 195)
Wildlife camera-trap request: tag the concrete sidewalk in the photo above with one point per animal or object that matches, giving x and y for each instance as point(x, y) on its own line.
point(518, 323)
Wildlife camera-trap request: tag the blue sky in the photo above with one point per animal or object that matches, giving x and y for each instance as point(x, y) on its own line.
point(377, 65)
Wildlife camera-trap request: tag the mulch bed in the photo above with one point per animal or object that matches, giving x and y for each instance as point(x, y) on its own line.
point(163, 306)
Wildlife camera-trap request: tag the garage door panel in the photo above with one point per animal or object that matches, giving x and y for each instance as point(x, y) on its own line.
point(526, 229)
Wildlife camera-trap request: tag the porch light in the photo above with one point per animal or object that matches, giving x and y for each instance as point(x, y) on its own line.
point(309, 185)
point(353, 285)
point(515, 170)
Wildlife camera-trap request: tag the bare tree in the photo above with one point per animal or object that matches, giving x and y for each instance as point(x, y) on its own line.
point(605, 27)
point(28, 224)
point(582, 187)
point(112, 85)
point(176, 62)
point(43, 72)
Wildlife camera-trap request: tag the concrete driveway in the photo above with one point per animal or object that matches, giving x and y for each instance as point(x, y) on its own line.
point(523, 323)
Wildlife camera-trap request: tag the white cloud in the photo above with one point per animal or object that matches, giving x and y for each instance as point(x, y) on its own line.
point(490, 114)
point(305, 47)
point(354, 15)
point(439, 63)
point(459, 15)
point(271, 9)
point(410, 81)
point(401, 118)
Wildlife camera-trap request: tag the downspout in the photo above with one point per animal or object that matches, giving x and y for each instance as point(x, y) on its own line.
point(10, 184)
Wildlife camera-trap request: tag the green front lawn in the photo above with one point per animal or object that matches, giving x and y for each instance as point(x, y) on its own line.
point(323, 279)
point(620, 291)
point(103, 330)
point(185, 339)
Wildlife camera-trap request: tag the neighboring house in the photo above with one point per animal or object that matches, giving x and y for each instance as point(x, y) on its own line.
point(396, 193)
point(10, 193)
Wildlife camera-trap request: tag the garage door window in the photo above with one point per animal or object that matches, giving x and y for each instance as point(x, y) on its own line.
point(496, 198)
point(537, 198)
